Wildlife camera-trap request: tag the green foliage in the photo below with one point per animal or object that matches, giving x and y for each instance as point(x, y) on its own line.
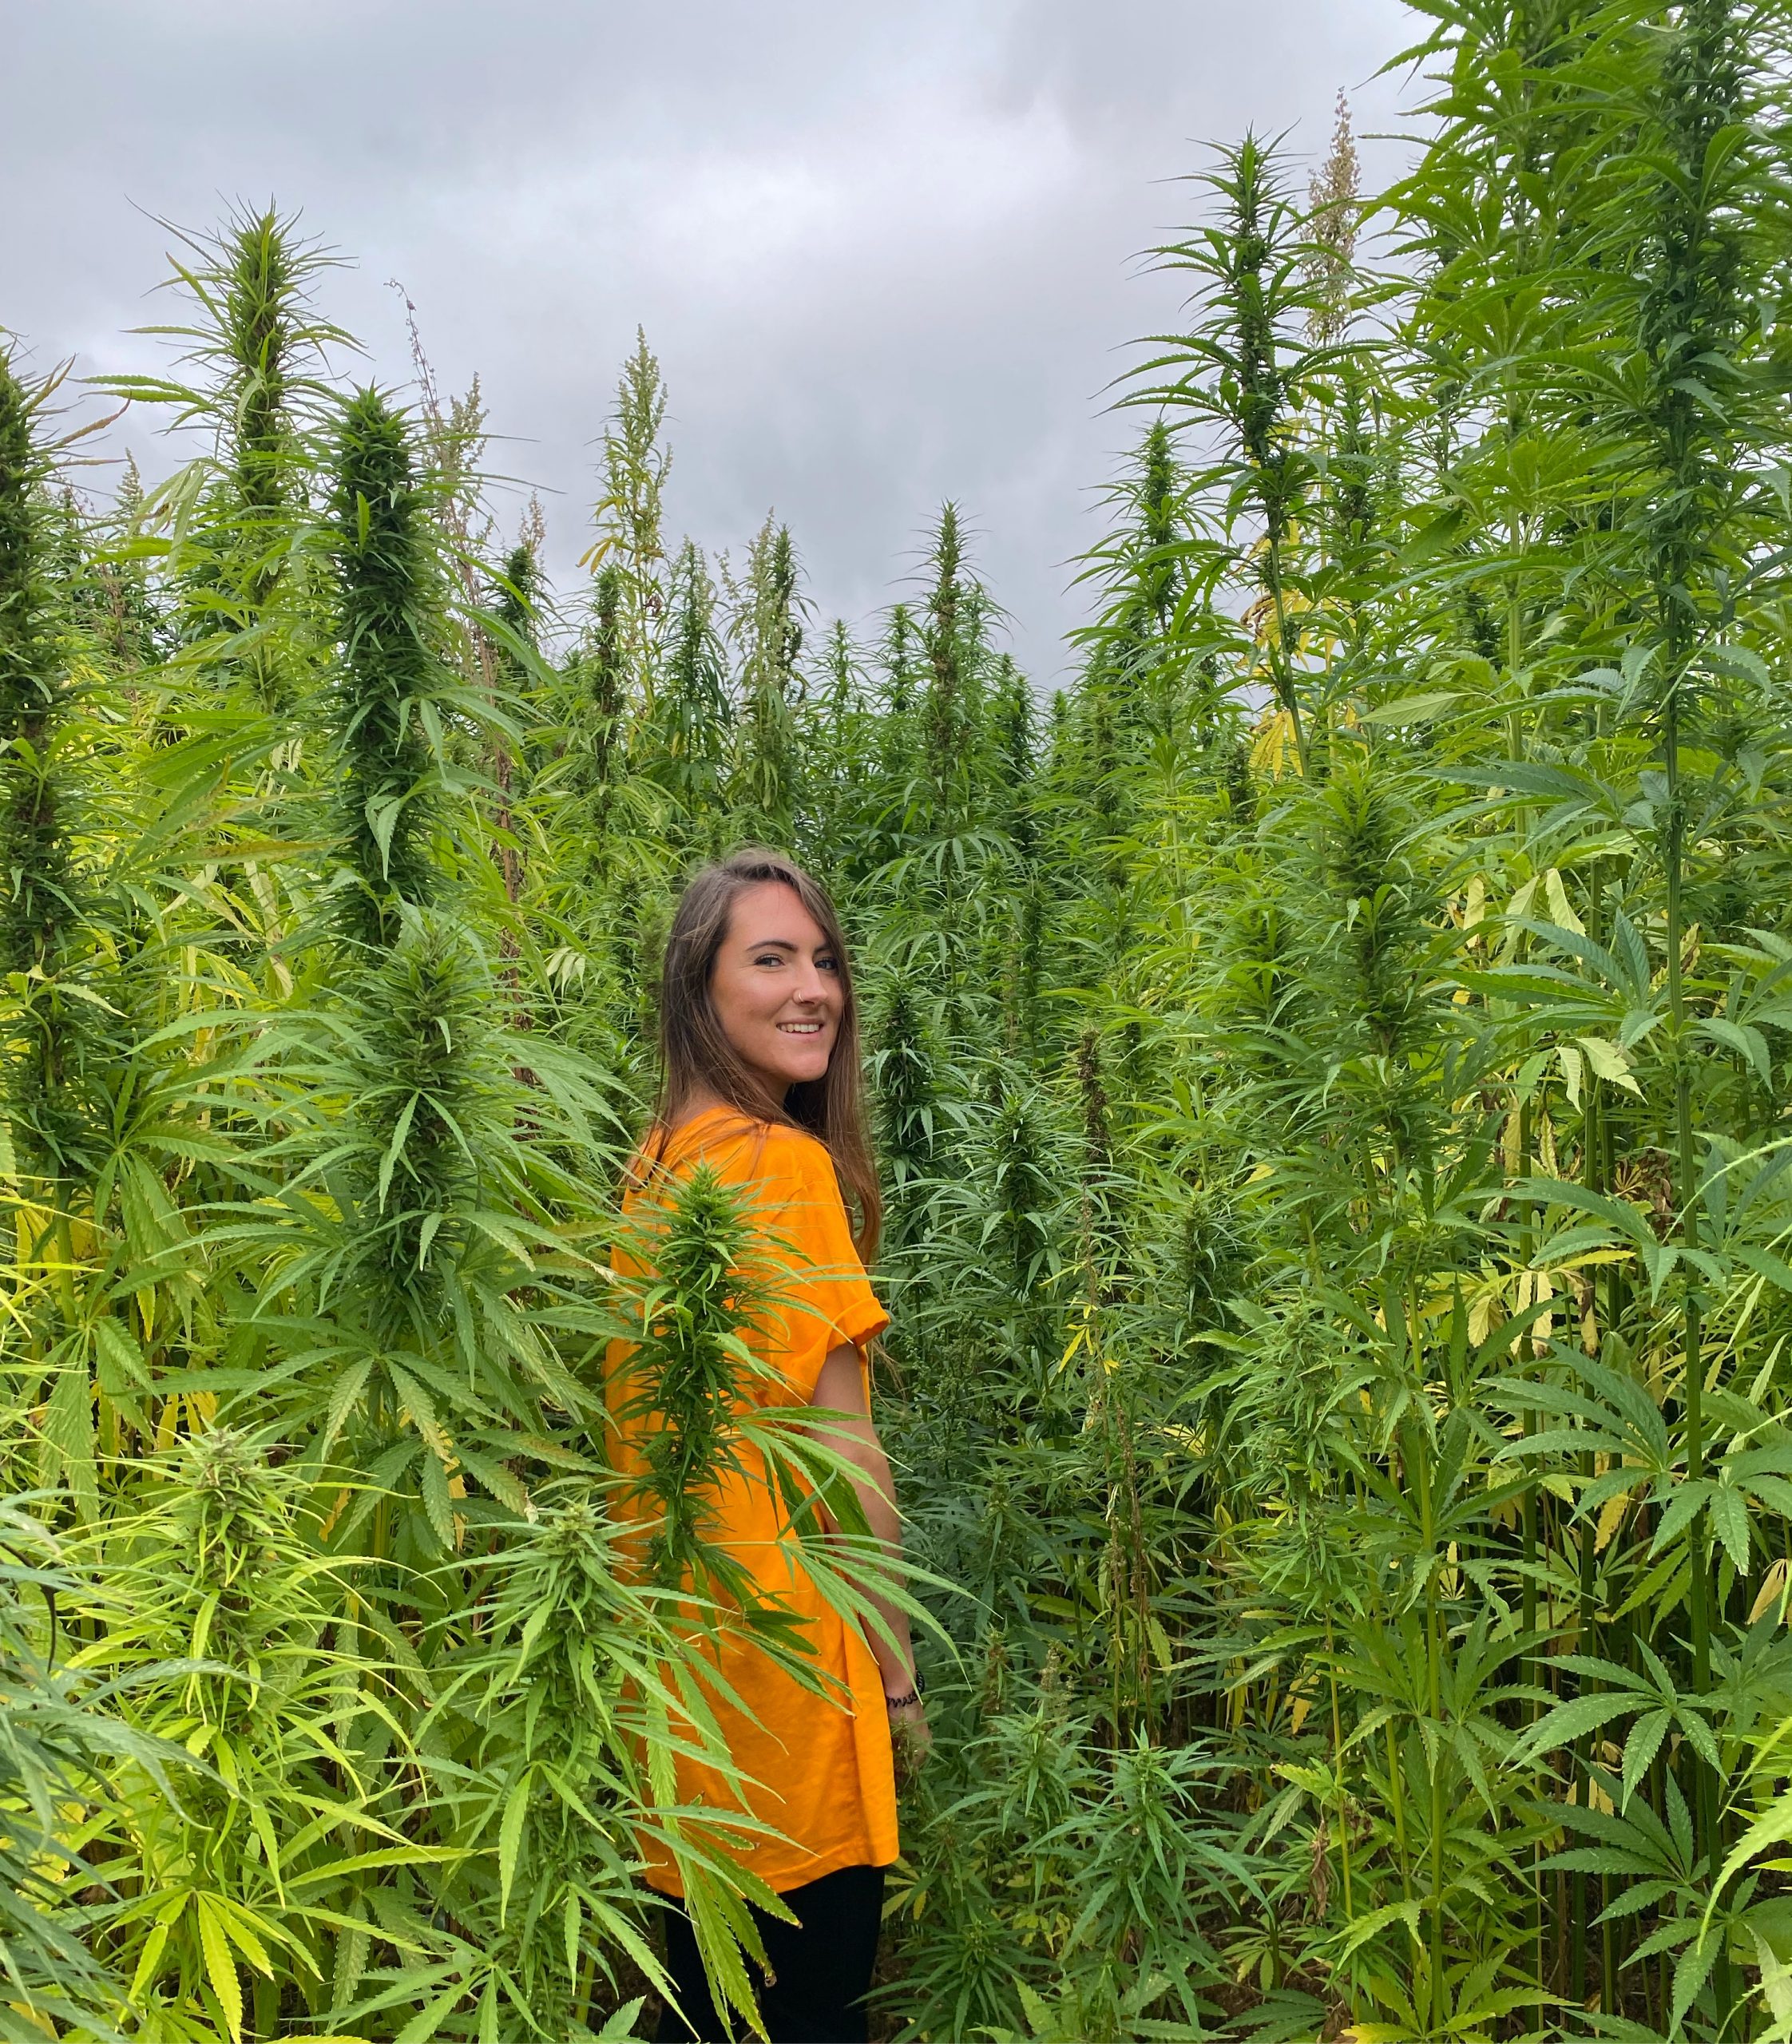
point(1331, 1072)
point(387, 714)
point(59, 1744)
point(52, 1029)
point(690, 1369)
point(768, 628)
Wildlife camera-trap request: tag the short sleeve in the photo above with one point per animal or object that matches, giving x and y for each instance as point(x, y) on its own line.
point(822, 1299)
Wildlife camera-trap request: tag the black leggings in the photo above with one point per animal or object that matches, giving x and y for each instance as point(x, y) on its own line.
point(821, 1965)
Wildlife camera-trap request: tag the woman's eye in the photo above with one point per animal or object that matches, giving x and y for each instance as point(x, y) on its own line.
point(768, 958)
point(827, 965)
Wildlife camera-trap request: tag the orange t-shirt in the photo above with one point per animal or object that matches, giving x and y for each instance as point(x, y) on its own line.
point(817, 1767)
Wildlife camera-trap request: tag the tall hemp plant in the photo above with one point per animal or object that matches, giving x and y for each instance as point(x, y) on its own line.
point(1331, 1068)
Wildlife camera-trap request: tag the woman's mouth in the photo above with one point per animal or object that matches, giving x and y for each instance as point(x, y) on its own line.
point(800, 1029)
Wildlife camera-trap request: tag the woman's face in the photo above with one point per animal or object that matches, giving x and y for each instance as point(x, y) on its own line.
point(775, 986)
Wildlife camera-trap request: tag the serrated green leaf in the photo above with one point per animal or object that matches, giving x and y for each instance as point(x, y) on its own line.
point(1641, 1746)
point(220, 1964)
point(509, 1836)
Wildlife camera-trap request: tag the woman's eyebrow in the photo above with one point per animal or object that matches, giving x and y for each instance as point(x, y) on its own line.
point(775, 944)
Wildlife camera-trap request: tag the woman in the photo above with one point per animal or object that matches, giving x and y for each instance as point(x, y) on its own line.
point(760, 1081)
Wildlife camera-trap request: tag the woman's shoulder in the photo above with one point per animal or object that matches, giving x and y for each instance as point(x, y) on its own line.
point(741, 1147)
point(781, 1150)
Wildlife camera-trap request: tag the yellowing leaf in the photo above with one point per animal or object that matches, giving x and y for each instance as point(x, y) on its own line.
point(1273, 751)
point(149, 1960)
point(1609, 1063)
point(1560, 912)
point(1546, 1147)
point(1772, 1592)
point(1520, 905)
point(221, 1965)
point(1611, 1517)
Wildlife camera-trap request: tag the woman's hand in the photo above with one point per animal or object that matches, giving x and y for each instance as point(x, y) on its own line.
point(911, 1738)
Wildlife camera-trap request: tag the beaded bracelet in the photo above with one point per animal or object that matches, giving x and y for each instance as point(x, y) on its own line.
point(902, 1702)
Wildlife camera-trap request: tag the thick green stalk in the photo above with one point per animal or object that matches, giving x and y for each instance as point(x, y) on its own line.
point(1337, 1771)
point(1698, 1589)
point(1581, 1763)
point(1526, 1252)
point(1397, 1804)
point(1690, 318)
point(1420, 1458)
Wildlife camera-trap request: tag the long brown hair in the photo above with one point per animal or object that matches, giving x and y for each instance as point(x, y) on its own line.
point(696, 1055)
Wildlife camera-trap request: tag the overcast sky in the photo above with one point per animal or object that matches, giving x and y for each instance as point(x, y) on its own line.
point(886, 254)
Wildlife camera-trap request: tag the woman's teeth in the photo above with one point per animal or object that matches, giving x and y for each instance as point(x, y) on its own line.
point(800, 1029)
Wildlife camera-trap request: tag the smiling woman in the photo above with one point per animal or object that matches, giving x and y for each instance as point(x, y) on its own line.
point(760, 1086)
point(775, 987)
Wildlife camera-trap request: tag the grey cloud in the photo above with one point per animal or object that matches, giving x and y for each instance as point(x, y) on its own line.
point(886, 254)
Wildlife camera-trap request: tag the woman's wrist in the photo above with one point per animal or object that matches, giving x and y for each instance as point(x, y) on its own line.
point(896, 1699)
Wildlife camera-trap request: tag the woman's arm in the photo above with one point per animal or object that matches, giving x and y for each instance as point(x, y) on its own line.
point(841, 1388)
